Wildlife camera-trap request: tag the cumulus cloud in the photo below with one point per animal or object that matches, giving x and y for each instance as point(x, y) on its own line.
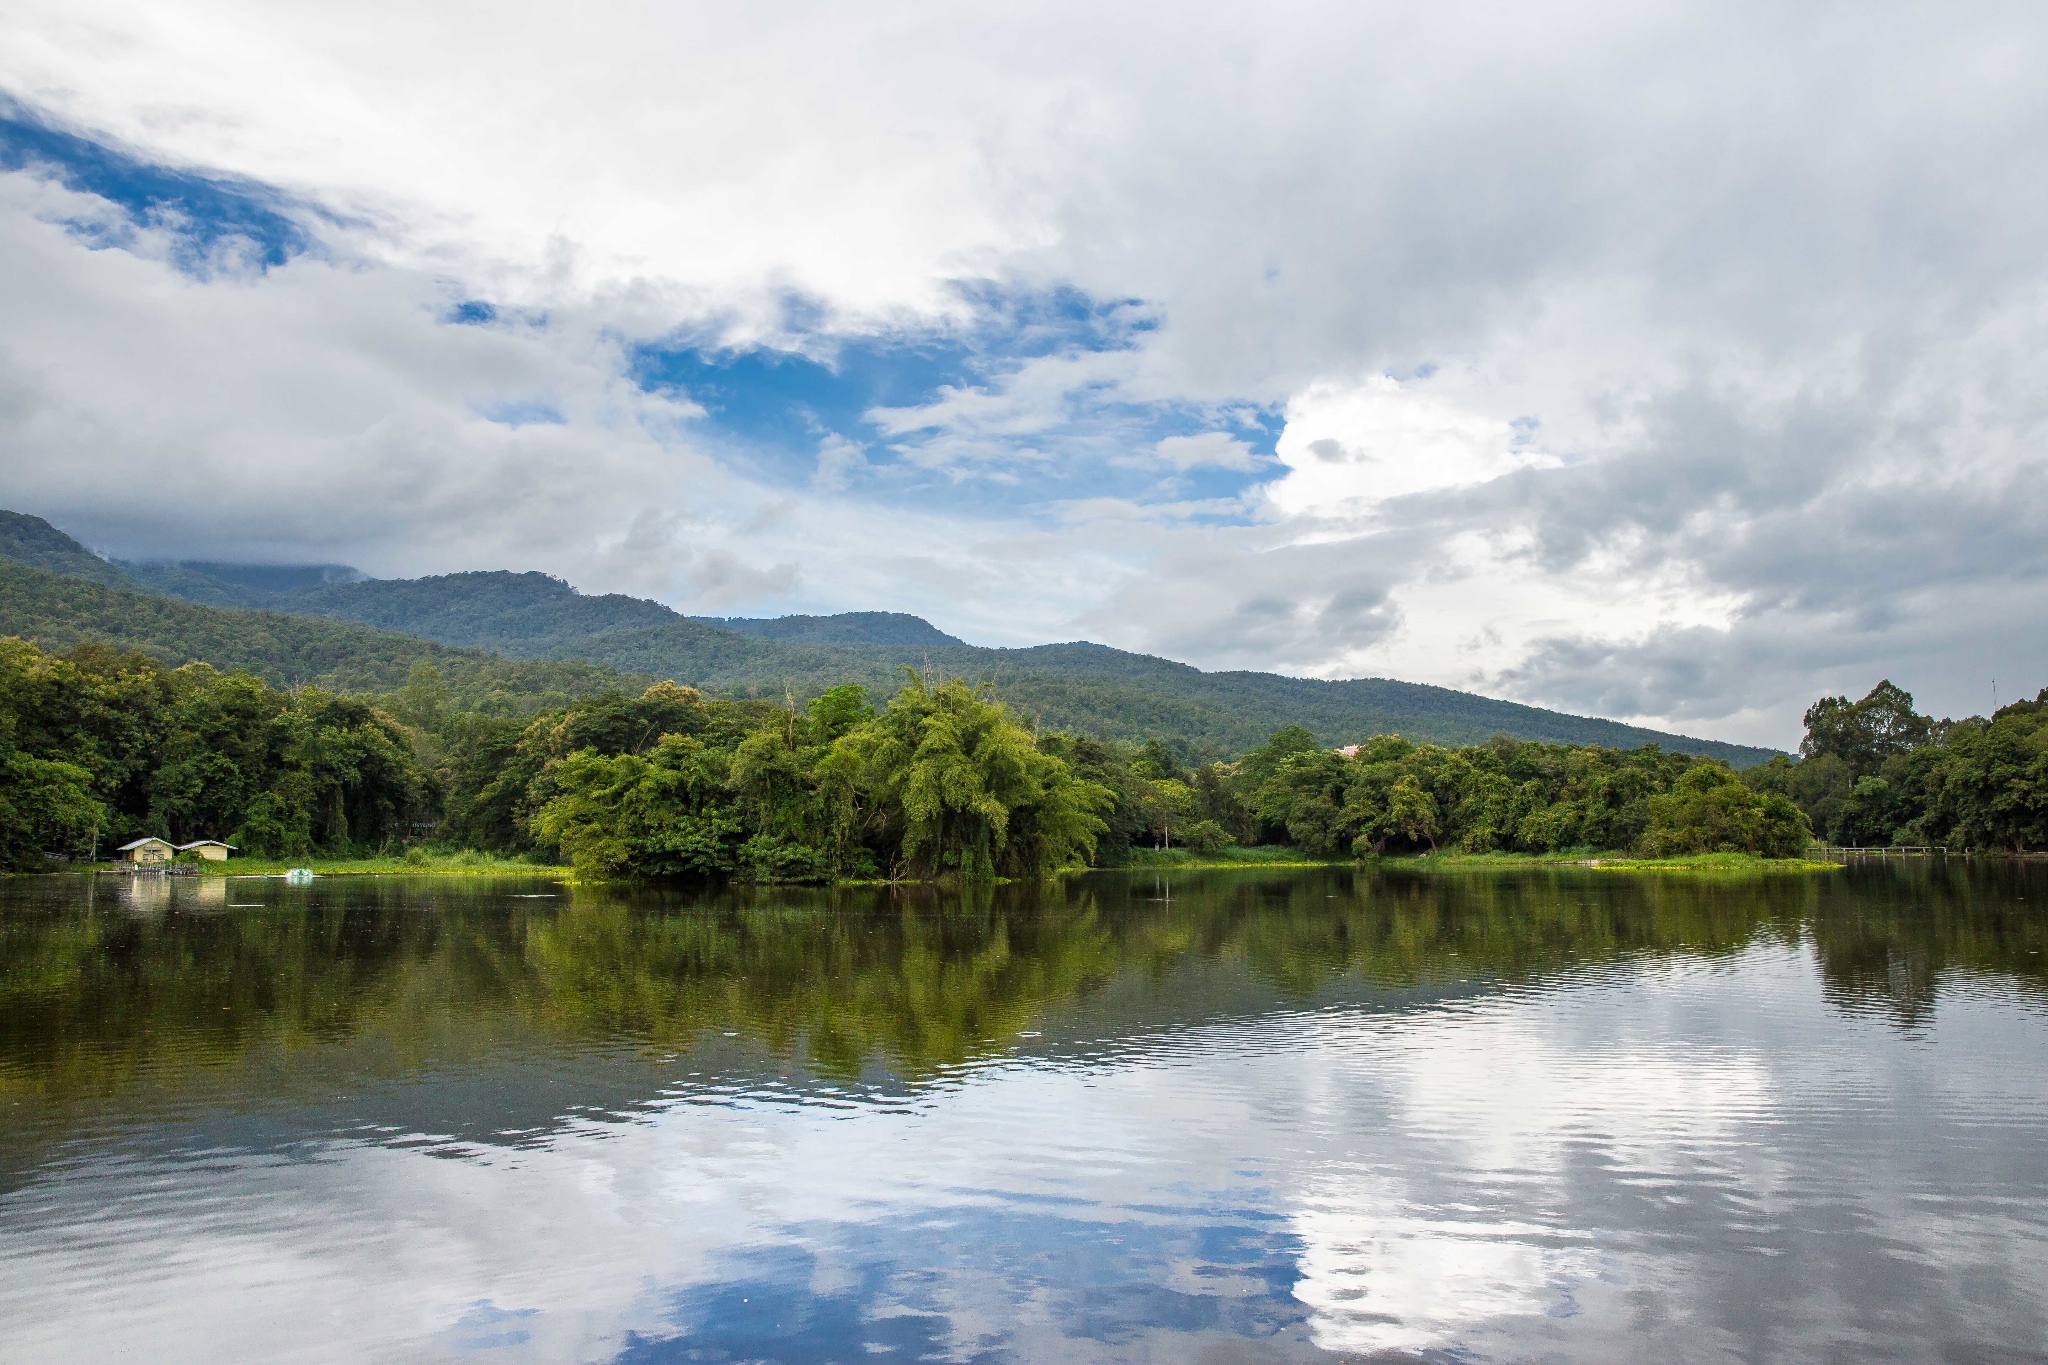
point(1669, 362)
point(1353, 444)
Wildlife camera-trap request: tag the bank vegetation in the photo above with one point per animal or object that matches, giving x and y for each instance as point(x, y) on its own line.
point(99, 746)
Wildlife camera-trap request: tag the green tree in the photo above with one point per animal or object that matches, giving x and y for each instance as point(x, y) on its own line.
point(1108, 765)
point(1994, 790)
point(1305, 796)
point(1864, 734)
point(46, 808)
point(1411, 813)
point(1710, 810)
point(424, 701)
point(501, 778)
point(969, 790)
point(625, 815)
point(1218, 802)
point(837, 710)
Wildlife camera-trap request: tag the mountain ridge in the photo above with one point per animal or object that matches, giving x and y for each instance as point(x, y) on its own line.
point(1084, 686)
point(58, 611)
point(846, 627)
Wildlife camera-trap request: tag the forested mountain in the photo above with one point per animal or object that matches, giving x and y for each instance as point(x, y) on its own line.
point(237, 585)
point(57, 611)
point(519, 613)
point(34, 542)
point(1080, 687)
point(847, 628)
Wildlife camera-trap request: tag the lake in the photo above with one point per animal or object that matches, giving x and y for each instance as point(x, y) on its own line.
point(1285, 1115)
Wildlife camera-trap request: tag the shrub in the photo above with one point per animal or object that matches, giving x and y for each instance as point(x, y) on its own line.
point(765, 858)
point(1710, 810)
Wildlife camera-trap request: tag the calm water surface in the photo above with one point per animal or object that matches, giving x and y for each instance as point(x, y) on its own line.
point(1243, 1116)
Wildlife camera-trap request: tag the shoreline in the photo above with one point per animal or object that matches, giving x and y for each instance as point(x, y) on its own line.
point(337, 867)
point(1614, 862)
point(1449, 861)
point(483, 866)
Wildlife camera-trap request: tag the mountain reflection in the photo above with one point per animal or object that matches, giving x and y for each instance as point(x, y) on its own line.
point(105, 985)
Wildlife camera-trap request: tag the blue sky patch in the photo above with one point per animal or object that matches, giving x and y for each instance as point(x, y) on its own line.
point(772, 410)
point(205, 212)
point(781, 404)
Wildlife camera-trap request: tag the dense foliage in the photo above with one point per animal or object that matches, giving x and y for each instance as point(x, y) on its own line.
point(943, 781)
point(101, 746)
point(98, 746)
point(1391, 795)
point(1875, 773)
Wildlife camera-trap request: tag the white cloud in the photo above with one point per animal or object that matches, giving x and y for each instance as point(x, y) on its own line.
point(1041, 411)
point(1350, 445)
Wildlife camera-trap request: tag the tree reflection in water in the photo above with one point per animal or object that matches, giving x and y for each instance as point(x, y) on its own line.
point(106, 984)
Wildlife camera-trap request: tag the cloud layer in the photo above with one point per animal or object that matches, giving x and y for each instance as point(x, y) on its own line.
point(1675, 363)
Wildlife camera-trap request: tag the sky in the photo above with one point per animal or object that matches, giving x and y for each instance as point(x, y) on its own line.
point(1672, 362)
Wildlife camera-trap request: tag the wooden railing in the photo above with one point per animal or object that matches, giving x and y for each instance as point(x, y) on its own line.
point(1896, 851)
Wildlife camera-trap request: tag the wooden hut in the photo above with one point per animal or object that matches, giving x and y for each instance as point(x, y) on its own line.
point(147, 852)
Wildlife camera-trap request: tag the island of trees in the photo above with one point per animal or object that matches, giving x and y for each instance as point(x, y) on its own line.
point(99, 746)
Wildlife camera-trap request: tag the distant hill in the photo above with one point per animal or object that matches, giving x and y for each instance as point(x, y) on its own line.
point(272, 578)
point(492, 610)
point(34, 542)
point(1080, 686)
point(58, 611)
point(847, 628)
point(194, 585)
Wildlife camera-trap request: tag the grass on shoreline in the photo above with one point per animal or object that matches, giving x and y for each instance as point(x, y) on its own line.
point(1269, 855)
point(468, 863)
point(1452, 861)
point(471, 863)
point(1613, 862)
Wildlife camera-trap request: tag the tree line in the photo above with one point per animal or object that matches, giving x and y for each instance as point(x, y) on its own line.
point(1877, 773)
point(100, 746)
